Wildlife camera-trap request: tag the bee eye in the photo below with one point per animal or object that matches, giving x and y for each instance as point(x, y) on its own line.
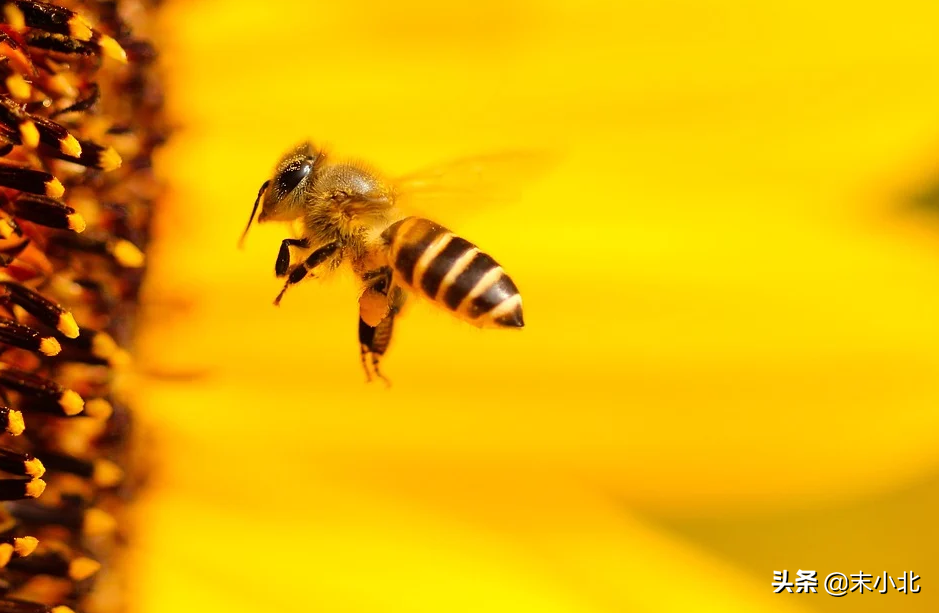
point(291, 177)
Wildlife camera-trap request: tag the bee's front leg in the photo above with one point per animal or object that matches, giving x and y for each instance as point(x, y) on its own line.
point(283, 256)
point(303, 268)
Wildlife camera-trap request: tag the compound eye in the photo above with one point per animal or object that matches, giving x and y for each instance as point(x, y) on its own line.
point(291, 177)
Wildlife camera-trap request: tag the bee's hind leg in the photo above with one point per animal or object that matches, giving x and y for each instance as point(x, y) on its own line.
point(372, 347)
point(374, 340)
point(365, 334)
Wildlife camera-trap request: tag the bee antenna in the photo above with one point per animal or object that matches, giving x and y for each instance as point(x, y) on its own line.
point(241, 242)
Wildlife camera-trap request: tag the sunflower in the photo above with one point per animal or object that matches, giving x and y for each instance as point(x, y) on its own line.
point(730, 354)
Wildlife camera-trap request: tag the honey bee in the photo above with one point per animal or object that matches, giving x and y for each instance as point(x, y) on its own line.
point(345, 212)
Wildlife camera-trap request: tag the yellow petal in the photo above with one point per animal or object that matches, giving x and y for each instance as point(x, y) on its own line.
point(730, 311)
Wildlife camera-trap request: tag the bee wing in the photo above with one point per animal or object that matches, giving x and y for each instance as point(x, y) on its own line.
point(467, 184)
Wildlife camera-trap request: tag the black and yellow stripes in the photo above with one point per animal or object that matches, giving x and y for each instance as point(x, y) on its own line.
point(454, 273)
point(440, 263)
point(415, 237)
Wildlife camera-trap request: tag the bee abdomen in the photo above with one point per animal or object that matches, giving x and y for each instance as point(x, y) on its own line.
point(453, 273)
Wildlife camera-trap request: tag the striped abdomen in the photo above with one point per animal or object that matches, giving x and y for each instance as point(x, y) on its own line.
point(429, 259)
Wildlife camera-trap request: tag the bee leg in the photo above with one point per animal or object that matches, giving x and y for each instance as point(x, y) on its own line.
point(366, 336)
point(378, 279)
point(374, 341)
point(378, 372)
point(303, 268)
point(373, 301)
point(283, 256)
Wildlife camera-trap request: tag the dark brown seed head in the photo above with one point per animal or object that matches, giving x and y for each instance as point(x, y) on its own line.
point(80, 117)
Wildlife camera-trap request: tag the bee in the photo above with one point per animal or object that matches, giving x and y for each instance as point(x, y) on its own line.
point(346, 213)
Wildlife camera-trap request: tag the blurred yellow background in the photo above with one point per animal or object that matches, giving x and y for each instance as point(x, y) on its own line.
point(731, 354)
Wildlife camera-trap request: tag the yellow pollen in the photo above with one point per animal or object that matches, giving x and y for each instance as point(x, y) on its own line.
point(59, 84)
point(34, 468)
point(14, 17)
point(54, 188)
point(79, 28)
point(112, 49)
point(15, 423)
point(50, 346)
point(29, 133)
point(109, 159)
point(18, 86)
point(70, 146)
point(127, 254)
point(102, 346)
point(107, 473)
point(67, 325)
point(98, 522)
point(98, 408)
point(76, 222)
point(25, 545)
point(120, 359)
point(35, 488)
point(71, 403)
point(82, 568)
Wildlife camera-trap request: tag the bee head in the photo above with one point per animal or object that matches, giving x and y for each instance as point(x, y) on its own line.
point(283, 194)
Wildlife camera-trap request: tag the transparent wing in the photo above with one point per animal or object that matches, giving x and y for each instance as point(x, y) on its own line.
point(449, 190)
